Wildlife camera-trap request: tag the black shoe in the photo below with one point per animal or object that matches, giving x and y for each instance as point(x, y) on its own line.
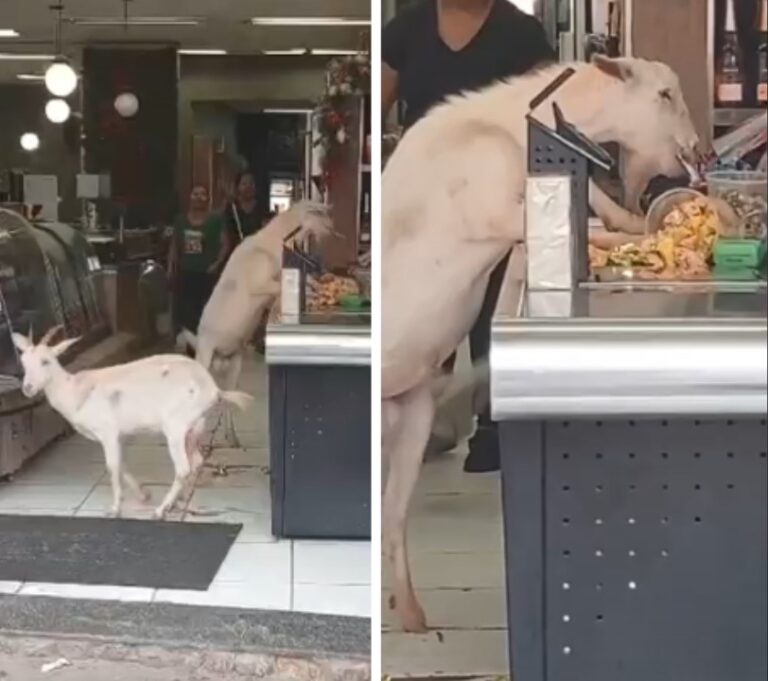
point(484, 454)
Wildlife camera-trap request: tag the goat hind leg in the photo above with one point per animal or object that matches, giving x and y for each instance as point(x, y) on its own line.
point(230, 383)
point(178, 451)
point(139, 492)
point(405, 451)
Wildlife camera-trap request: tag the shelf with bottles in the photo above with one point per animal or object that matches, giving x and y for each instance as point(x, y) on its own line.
point(740, 37)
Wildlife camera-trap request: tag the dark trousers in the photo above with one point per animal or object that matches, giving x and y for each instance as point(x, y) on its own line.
point(480, 334)
point(194, 290)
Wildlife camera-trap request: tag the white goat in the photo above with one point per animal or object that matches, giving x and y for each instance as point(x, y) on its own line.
point(247, 288)
point(452, 207)
point(170, 394)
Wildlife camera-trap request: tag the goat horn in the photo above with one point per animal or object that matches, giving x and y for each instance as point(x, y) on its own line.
point(49, 335)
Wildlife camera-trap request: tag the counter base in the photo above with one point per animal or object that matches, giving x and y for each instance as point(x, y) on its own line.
point(320, 451)
point(636, 549)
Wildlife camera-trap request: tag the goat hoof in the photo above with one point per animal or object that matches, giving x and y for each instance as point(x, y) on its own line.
point(159, 513)
point(114, 512)
point(414, 621)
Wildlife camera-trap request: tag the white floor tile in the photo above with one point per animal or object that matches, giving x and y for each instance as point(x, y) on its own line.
point(15, 497)
point(341, 563)
point(233, 499)
point(264, 596)
point(257, 563)
point(453, 570)
point(256, 526)
point(451, 653)
point(96, 592)
point(73, 476)
point(455, 609)
point(99, 502)
point(9, 587)
point(354, 601)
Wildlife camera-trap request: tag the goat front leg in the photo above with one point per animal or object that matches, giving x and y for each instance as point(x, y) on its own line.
point(230, 382)
point(408, 421)
point(614, 217)
point(177, 448)
point(113, 459)
point(138, 491)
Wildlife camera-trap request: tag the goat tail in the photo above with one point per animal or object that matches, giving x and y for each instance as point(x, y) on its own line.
point(241, 400)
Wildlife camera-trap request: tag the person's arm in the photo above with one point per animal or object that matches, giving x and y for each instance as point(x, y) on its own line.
point(394, 45)
point(388, 89)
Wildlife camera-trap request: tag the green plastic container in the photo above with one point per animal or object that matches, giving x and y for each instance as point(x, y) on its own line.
point(737, 253)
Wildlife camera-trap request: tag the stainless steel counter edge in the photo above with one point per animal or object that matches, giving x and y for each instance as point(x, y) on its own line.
point(613, 367)
point(318, 345)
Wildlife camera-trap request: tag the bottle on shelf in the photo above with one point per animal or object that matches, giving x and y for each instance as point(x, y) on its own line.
point(730, 89)
point(762, 55)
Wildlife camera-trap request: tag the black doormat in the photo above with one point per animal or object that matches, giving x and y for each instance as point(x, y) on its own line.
point(144, 553)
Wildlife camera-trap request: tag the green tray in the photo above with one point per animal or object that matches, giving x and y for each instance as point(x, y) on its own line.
point(737, 254)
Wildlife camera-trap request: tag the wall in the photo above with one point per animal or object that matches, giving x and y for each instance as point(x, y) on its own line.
point(241, 84)
point(22, 109)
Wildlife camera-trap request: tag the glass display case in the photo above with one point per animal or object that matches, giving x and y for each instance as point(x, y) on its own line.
point(48, 276)
point(25, 297)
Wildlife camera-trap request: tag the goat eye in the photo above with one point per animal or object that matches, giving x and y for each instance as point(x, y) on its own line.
point(666, 94)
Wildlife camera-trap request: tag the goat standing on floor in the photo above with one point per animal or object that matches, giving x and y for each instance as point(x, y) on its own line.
point(247, 288)
point(168, 394)
point(452, 208)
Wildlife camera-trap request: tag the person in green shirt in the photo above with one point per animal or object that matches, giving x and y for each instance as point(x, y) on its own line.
point(199, 250)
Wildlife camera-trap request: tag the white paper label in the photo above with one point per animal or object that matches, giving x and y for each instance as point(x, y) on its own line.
point(289, 292)
point(762, 92)
point(730, 92)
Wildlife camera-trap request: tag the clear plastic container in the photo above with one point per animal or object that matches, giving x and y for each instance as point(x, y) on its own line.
point(664, 204)
point(746, 192)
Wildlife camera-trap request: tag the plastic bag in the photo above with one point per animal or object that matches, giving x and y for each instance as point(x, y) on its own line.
point(732, 147)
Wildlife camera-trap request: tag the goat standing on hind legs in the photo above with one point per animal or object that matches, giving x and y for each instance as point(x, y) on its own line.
point(168, 394)
point(452, 208)
point(247, 288)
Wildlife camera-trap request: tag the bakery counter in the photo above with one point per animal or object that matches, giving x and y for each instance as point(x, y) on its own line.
point(633, 436)
point(320, 424)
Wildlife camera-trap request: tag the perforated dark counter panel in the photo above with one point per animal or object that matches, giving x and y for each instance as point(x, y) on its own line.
point(636, 551)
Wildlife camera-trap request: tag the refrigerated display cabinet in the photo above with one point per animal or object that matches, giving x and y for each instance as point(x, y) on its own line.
point(48, 277)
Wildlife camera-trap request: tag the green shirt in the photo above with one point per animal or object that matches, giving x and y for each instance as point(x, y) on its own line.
point(198, 247)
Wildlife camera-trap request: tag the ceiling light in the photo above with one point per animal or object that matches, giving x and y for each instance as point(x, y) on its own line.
point(30, 141)
point(8, 33)
point(297, 50)
point(60, 78)
point(30, 76)
point(309, 21)
point(14, 56)
point(57, 111)
point(201, 53)
point(135, 21)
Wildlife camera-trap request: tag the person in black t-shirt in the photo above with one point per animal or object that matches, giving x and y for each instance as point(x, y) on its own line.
point(438, 48)
point(243, 214)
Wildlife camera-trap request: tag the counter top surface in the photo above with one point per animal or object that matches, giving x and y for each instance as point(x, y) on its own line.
point(647, 349)
point(319, 339)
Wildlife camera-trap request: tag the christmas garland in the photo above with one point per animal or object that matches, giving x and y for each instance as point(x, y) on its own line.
point(345, 77)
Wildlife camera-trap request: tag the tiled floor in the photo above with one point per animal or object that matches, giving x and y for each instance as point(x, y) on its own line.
point(259, 572)
point(455, 544)
point(456, 550)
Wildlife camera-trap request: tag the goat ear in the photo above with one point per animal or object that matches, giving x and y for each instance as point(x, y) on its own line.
point(615, 68)
point(62, 347)
point(21, 342)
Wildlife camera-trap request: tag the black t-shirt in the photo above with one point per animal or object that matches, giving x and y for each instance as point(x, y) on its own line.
point(510, 43)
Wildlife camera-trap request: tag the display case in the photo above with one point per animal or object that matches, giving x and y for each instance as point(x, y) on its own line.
point(632, 425)
point(48, 277)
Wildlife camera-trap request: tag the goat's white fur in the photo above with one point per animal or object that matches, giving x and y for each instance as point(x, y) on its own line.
point(247, 288)
point(168, 394)
point(452, 207)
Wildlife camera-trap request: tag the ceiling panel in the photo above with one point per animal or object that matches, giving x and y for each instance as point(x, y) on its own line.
point(223, 27)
